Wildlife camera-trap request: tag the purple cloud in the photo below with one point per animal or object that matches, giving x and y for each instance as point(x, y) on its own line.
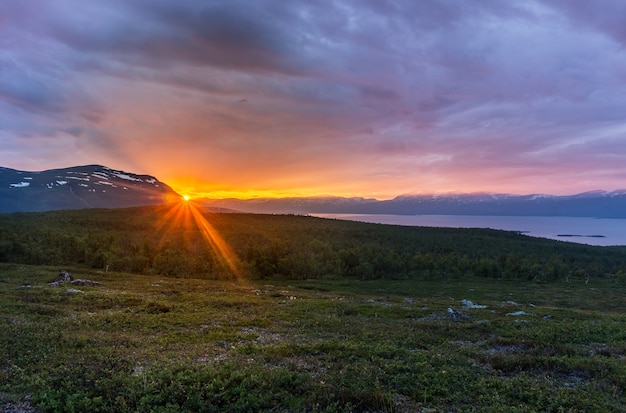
point(384, 96)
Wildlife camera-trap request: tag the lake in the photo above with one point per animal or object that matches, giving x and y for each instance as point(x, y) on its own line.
point(592, 231)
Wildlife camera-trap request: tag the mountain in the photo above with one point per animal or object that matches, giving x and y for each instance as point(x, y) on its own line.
point(305, 205)
point(597, 204)
point(96, 186)
point(90, 186)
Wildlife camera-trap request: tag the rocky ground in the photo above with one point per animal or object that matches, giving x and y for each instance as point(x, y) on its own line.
point(22, 406)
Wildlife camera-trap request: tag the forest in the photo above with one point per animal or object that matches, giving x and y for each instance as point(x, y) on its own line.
point(182, 241)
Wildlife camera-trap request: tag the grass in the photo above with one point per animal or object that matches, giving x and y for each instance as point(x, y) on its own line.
point(147, 343)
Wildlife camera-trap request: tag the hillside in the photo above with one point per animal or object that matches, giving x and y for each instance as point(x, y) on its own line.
point(90, 186)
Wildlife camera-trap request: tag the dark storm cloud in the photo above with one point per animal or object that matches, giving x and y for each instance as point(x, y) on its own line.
point(217, 33)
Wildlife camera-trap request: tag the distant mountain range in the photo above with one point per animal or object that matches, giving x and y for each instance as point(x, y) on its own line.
point(598, 204)
point(96, 186)
point(90, 186)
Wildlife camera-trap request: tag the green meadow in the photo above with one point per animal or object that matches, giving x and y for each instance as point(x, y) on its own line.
point(307, 315)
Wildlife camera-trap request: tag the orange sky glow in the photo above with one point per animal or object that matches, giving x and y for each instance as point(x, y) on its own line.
point(282, 99)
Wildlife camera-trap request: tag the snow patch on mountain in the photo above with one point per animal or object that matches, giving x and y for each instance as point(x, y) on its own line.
point(94, 186)
point(100, 175)
point(103, 176)
point(127, 177)
point(106, 183)
point(535, 197)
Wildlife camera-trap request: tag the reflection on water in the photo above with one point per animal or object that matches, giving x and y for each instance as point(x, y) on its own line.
point(591, 231)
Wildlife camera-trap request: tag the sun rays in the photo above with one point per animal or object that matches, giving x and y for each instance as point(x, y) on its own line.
point(182, 222)
point(217, 243)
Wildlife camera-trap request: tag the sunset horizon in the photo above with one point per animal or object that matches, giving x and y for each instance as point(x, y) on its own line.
point(351, 99)
point(190, 192)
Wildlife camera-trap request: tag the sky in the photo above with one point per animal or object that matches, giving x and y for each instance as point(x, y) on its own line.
point(372, 98)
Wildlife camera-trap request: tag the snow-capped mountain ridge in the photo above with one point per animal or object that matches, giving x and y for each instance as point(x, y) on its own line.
point(89, 186)
point(96, 186)
point(599, 204)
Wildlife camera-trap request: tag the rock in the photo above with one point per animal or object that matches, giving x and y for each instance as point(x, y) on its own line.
point(454, 314)
point(467, 304)
point(517, 313)
point(64, 276)
point(73, 291)
point(85, 283)
point(548, 317)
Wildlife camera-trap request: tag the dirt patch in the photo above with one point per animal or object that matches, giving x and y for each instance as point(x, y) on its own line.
point(571, 380)
point(503, 349)
point(265, 337)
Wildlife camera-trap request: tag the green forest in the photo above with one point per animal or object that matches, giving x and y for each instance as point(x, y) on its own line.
point(169, 241)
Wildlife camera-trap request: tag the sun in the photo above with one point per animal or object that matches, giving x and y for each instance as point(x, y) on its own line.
point(186, 197)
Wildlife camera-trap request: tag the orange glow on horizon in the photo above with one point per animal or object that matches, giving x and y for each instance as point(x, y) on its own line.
point(203, 190)
point(199, 190)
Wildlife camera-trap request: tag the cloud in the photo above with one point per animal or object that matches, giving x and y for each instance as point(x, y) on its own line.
point(604, 16)
point(387, 94)
point(162, 34)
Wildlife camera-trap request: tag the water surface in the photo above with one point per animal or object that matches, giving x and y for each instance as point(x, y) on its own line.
point(592, 231)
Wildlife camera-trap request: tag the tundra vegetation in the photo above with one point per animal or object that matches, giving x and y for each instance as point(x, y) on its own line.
point(307, 315)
